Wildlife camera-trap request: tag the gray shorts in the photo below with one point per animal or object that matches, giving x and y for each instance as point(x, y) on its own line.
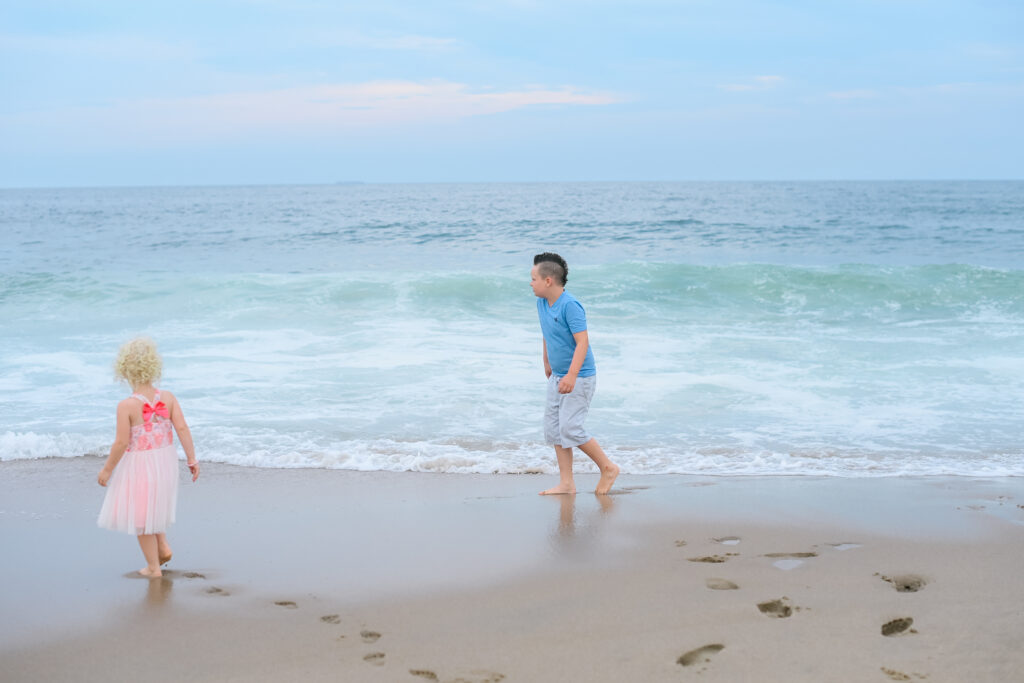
point(564, 413)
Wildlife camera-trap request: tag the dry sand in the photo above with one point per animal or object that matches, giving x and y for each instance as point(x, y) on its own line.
point(332, 575)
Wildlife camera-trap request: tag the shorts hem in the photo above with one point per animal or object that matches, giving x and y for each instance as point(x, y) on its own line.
point(573, 445)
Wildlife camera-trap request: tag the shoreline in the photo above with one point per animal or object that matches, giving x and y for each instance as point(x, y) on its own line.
point(476, 573)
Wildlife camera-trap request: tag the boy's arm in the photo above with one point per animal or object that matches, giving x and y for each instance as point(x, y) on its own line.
point(547, 365)
point(566, 384)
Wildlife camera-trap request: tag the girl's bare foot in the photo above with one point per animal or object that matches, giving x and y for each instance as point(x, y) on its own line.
point(608, 476)
point(561, 489)
point(165, 556)
point(151, 573)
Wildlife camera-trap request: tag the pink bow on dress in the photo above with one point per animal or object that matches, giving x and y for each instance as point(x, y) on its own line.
point(149, 411)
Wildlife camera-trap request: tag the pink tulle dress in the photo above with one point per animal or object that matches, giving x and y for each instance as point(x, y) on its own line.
point(143, 489)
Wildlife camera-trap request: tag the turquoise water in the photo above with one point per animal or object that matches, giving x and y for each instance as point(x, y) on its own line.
point(848, 329)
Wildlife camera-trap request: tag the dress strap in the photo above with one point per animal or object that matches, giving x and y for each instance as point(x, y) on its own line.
point(146, 401)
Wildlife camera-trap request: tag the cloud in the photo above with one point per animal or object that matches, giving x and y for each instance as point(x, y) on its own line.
point(759, 83)
point(412, 43)
point(944, 91)
point(990, 51)
point(378, 41)
point(854, 94)
point(99, 46)
point(965, 89)
point(319, 110)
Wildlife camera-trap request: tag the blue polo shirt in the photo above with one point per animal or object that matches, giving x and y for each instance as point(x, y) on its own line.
point(558, 323)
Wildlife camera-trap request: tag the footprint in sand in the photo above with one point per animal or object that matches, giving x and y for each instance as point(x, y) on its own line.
point(789, 560)
point(680, 544)
point(287, 604)
point(898, 626)
point(194, 575)
point(786, 565)
point(713, 559)
point(727, 540)
point(844, 546)
point(424, 674)
point(375, 658)
point(213, 590)
point(720, 585)
point(906, 583)
point(369, 636)
point(779, 609)
point(479, 676)
point(900, 676)
point(701, 655)
point(331, 619)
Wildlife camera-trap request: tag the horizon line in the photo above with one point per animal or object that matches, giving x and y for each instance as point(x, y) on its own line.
point(351, 183)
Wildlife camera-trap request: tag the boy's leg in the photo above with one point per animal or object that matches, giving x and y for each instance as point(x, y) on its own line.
point(552, 407)
point(575, 407)
point(566, 483)
point(609, 470)
point(148, 544)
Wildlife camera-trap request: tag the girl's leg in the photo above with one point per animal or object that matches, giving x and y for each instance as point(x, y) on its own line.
point(163, 549)
point(149, 548)
point(566, 483)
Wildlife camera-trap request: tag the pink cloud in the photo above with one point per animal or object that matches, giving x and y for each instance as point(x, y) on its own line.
point(758, 83)
point(299, 111)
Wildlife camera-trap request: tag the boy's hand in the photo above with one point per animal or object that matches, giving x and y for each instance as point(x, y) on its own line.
point(566, 384)
point(103, 477)
point(547, 370)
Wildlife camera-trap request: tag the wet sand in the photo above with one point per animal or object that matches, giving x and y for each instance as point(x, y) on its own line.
point(334, 575)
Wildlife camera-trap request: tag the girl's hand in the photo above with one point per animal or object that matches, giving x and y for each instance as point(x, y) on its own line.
point(103, 477)
point(193, 467)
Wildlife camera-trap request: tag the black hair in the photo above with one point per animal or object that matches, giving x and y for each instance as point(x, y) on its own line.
point(553, 266)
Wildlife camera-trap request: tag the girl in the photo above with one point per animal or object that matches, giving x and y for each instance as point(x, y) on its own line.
point(142, 468)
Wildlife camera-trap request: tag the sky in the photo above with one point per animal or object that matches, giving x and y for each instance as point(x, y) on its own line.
point(294, 91)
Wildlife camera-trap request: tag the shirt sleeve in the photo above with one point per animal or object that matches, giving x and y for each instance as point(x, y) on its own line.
point(575, 317)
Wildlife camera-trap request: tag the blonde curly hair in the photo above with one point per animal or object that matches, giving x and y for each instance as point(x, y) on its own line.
point(138, 362)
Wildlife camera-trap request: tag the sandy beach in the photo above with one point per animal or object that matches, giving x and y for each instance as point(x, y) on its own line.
point(337, 575)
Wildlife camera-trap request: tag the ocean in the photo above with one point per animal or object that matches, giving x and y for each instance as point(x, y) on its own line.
point(852, 329)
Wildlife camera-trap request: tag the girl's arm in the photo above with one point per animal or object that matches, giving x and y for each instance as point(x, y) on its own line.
point(122, 437)
point(184, 434)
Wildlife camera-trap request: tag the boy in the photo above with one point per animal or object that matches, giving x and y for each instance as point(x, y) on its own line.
point(572, 375)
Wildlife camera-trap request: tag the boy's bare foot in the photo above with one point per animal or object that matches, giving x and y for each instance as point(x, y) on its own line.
point(561, 489)
point(151, 573)
point(608, 477)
